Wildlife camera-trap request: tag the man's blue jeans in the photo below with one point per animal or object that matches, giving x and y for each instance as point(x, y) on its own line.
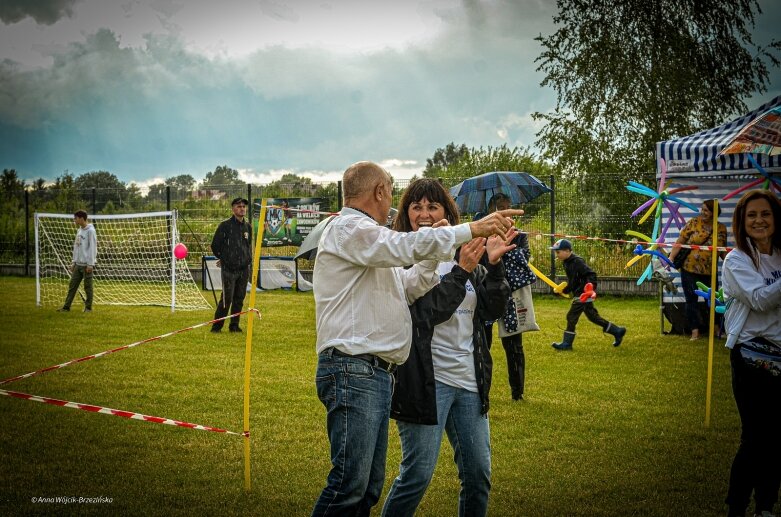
point(458, 415)
point(357, 399)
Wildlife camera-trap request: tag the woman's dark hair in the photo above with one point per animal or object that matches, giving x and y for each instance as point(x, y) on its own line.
point(709, 204)
point(742, 240)
point(432, 190)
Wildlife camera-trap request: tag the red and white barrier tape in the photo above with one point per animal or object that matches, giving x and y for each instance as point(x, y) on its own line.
point(624, 241)
point(117, 412)
point(125, 347)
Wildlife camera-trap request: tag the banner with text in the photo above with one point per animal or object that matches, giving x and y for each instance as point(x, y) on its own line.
point(288, 220)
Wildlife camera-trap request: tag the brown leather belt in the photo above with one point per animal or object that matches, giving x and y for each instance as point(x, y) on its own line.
point(369, 358)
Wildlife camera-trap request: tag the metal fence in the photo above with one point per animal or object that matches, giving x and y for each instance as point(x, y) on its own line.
point(602, 211)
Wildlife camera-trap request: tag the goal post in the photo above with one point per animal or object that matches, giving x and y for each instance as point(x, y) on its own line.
point(135, 264)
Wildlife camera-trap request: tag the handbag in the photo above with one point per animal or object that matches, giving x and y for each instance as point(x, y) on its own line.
point(762, 354)
point(524, 312)
point(680, 258)
point(683, 253)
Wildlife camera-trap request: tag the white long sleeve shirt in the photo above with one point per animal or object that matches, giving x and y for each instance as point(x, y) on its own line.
point(753, 297)
point(85, 247)
point(361, 289)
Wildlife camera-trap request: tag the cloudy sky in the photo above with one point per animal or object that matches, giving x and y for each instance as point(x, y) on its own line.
point(149, 89)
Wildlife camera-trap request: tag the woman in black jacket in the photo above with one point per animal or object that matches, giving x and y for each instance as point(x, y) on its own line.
point(443, 387)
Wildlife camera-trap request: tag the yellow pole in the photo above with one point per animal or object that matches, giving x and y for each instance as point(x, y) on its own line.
point(248, 345)
point(714, 264)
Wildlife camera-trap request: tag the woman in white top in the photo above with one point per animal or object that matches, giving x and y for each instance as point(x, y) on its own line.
point(443, 386)
point(752, 286)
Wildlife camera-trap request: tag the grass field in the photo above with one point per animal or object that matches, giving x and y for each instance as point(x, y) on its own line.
point(604, 431)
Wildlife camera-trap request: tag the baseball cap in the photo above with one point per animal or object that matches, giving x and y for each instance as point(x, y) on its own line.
point(561, 244)
point(238, 200)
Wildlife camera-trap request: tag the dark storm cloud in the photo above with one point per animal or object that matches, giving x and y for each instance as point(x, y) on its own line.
point(44, 12)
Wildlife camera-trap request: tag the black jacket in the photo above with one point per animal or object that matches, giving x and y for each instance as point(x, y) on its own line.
point(578, 275)
point(232, 244)
point(414, 395)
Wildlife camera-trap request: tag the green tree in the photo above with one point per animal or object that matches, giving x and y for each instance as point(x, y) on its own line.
point(632, 73)
point(183, 183)
point(442, 159)
point(180, 186)
point(290, 185)
point(503, 158)
point(107, 188)
point(10, 183)
point(223, 176)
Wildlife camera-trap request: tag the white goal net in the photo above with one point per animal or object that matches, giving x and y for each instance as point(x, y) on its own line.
point(135, 265)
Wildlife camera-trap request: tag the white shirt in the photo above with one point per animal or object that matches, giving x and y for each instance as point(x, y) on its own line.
point(452, 344)
point(85, 247)
point(362, 291)
point(753, 297)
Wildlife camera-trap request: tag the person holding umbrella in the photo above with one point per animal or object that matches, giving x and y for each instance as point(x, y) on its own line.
point(516, 265)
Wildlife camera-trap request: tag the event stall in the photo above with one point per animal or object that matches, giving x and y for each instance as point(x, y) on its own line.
point(694, 161)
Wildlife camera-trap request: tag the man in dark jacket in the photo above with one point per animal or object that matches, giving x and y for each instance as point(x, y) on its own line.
point(578, 275)
point(232, 245)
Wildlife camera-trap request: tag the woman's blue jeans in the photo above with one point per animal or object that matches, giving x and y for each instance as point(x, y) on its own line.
point(357, 399)
point(458, 415)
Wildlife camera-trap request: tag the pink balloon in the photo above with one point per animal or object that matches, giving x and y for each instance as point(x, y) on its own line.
point(180, 251)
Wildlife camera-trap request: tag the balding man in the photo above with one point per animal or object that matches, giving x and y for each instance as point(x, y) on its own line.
point(362, 292)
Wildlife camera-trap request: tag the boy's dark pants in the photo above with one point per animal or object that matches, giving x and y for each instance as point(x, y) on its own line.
point(577, 308)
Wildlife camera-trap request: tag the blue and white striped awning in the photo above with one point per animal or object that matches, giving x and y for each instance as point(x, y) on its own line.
point(697, 155)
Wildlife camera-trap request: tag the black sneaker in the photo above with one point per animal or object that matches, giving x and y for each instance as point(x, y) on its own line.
point(63, 309)
point(87, 310)
point(216, 330)
point(235, 329)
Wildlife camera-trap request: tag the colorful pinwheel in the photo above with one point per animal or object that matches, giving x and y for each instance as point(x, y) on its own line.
point(658, 198)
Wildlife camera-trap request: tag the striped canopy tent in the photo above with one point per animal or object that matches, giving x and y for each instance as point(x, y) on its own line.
point(694, 161)
point(697, 155)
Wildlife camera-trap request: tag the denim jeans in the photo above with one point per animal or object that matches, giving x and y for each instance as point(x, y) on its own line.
point(357, 399)
point(458, 415)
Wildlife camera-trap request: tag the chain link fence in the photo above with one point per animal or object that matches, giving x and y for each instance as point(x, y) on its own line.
point(601, 210)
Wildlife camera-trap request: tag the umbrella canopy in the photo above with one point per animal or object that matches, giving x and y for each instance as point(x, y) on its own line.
point(308, 248)
point(762, 135)
point(473, 194)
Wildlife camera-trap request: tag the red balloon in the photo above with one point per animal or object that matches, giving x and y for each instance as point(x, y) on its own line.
point(180, 251)
point(589, 295)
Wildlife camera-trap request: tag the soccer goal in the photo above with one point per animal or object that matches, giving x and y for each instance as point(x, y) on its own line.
point(135, 265)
